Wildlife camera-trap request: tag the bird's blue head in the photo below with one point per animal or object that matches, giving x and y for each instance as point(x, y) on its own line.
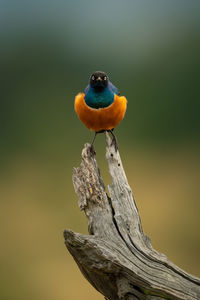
point(98, 81)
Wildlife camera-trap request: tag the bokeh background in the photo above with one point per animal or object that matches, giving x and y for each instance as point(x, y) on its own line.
point(151, 51)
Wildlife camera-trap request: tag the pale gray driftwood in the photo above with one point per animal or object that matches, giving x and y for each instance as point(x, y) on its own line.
point(117, 257)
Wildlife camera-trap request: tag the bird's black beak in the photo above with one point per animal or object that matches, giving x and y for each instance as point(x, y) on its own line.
point(99, 79)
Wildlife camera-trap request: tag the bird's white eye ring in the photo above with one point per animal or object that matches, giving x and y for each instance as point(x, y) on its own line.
point(105, 78)
point(93, 78)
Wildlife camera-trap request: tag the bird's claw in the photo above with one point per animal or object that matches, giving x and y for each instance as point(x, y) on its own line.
point(92, 151)
point(114, 143)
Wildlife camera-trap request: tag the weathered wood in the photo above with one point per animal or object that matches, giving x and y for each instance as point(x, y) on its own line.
point(117, 257)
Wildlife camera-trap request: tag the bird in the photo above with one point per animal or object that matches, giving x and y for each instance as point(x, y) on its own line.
point(100, 107)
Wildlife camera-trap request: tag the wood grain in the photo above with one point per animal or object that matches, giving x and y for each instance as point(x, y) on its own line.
point(117, 257)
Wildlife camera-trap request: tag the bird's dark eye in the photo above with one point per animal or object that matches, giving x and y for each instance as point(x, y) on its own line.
point(93, 78)
point(105, 78)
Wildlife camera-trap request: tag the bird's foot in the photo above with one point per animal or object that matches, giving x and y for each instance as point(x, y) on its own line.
point(114, 140)
point(92, 151)
point(114, 143)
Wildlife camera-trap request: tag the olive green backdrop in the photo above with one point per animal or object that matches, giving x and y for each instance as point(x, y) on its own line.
point(150, 50)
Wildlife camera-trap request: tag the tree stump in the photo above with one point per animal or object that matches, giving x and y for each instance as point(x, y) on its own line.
point(117, 257)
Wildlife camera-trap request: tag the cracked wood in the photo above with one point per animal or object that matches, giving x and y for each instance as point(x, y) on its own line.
point(117, 257)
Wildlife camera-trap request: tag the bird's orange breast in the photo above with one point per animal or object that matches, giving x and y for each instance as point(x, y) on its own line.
point(99, 119)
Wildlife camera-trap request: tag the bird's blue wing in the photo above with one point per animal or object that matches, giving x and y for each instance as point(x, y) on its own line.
point(113, 88)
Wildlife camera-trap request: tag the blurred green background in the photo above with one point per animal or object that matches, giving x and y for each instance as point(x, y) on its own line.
point(151, 51)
